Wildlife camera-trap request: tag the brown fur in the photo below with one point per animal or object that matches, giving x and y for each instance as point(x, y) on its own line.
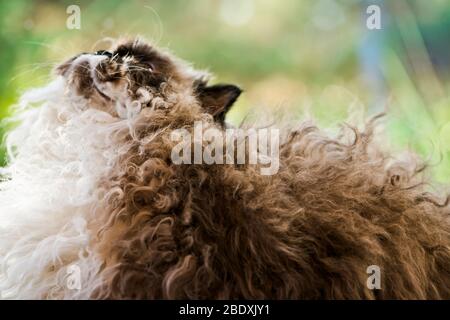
point(307, 232)
point(310, 231)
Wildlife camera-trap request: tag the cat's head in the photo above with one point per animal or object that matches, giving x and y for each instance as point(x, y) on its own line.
point(137, 71)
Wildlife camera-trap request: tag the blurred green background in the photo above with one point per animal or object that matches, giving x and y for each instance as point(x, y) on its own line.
point(309, 57)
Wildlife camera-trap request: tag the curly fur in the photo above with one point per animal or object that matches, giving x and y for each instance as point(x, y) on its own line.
point(89, 187)
point(308, 232)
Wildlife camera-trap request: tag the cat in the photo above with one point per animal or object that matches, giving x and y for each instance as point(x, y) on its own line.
point(93, 207)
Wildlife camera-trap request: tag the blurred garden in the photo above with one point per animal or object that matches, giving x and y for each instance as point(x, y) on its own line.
point(311, 58)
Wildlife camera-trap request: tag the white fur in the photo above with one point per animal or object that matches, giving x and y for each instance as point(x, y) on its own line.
point(50, 193)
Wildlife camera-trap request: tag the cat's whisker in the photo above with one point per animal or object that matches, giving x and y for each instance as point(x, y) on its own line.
point(49, 46)
point(36, 67)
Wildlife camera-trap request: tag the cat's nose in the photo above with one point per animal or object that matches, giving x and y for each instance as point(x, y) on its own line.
point(103, 53)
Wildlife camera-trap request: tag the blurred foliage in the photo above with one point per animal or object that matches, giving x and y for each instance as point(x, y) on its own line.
point(313, 58)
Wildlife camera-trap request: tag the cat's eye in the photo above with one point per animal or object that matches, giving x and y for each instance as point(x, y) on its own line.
point(122, 52)
point(103, 53)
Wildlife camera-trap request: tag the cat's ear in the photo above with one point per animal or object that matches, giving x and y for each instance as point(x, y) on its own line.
point(217, 99)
